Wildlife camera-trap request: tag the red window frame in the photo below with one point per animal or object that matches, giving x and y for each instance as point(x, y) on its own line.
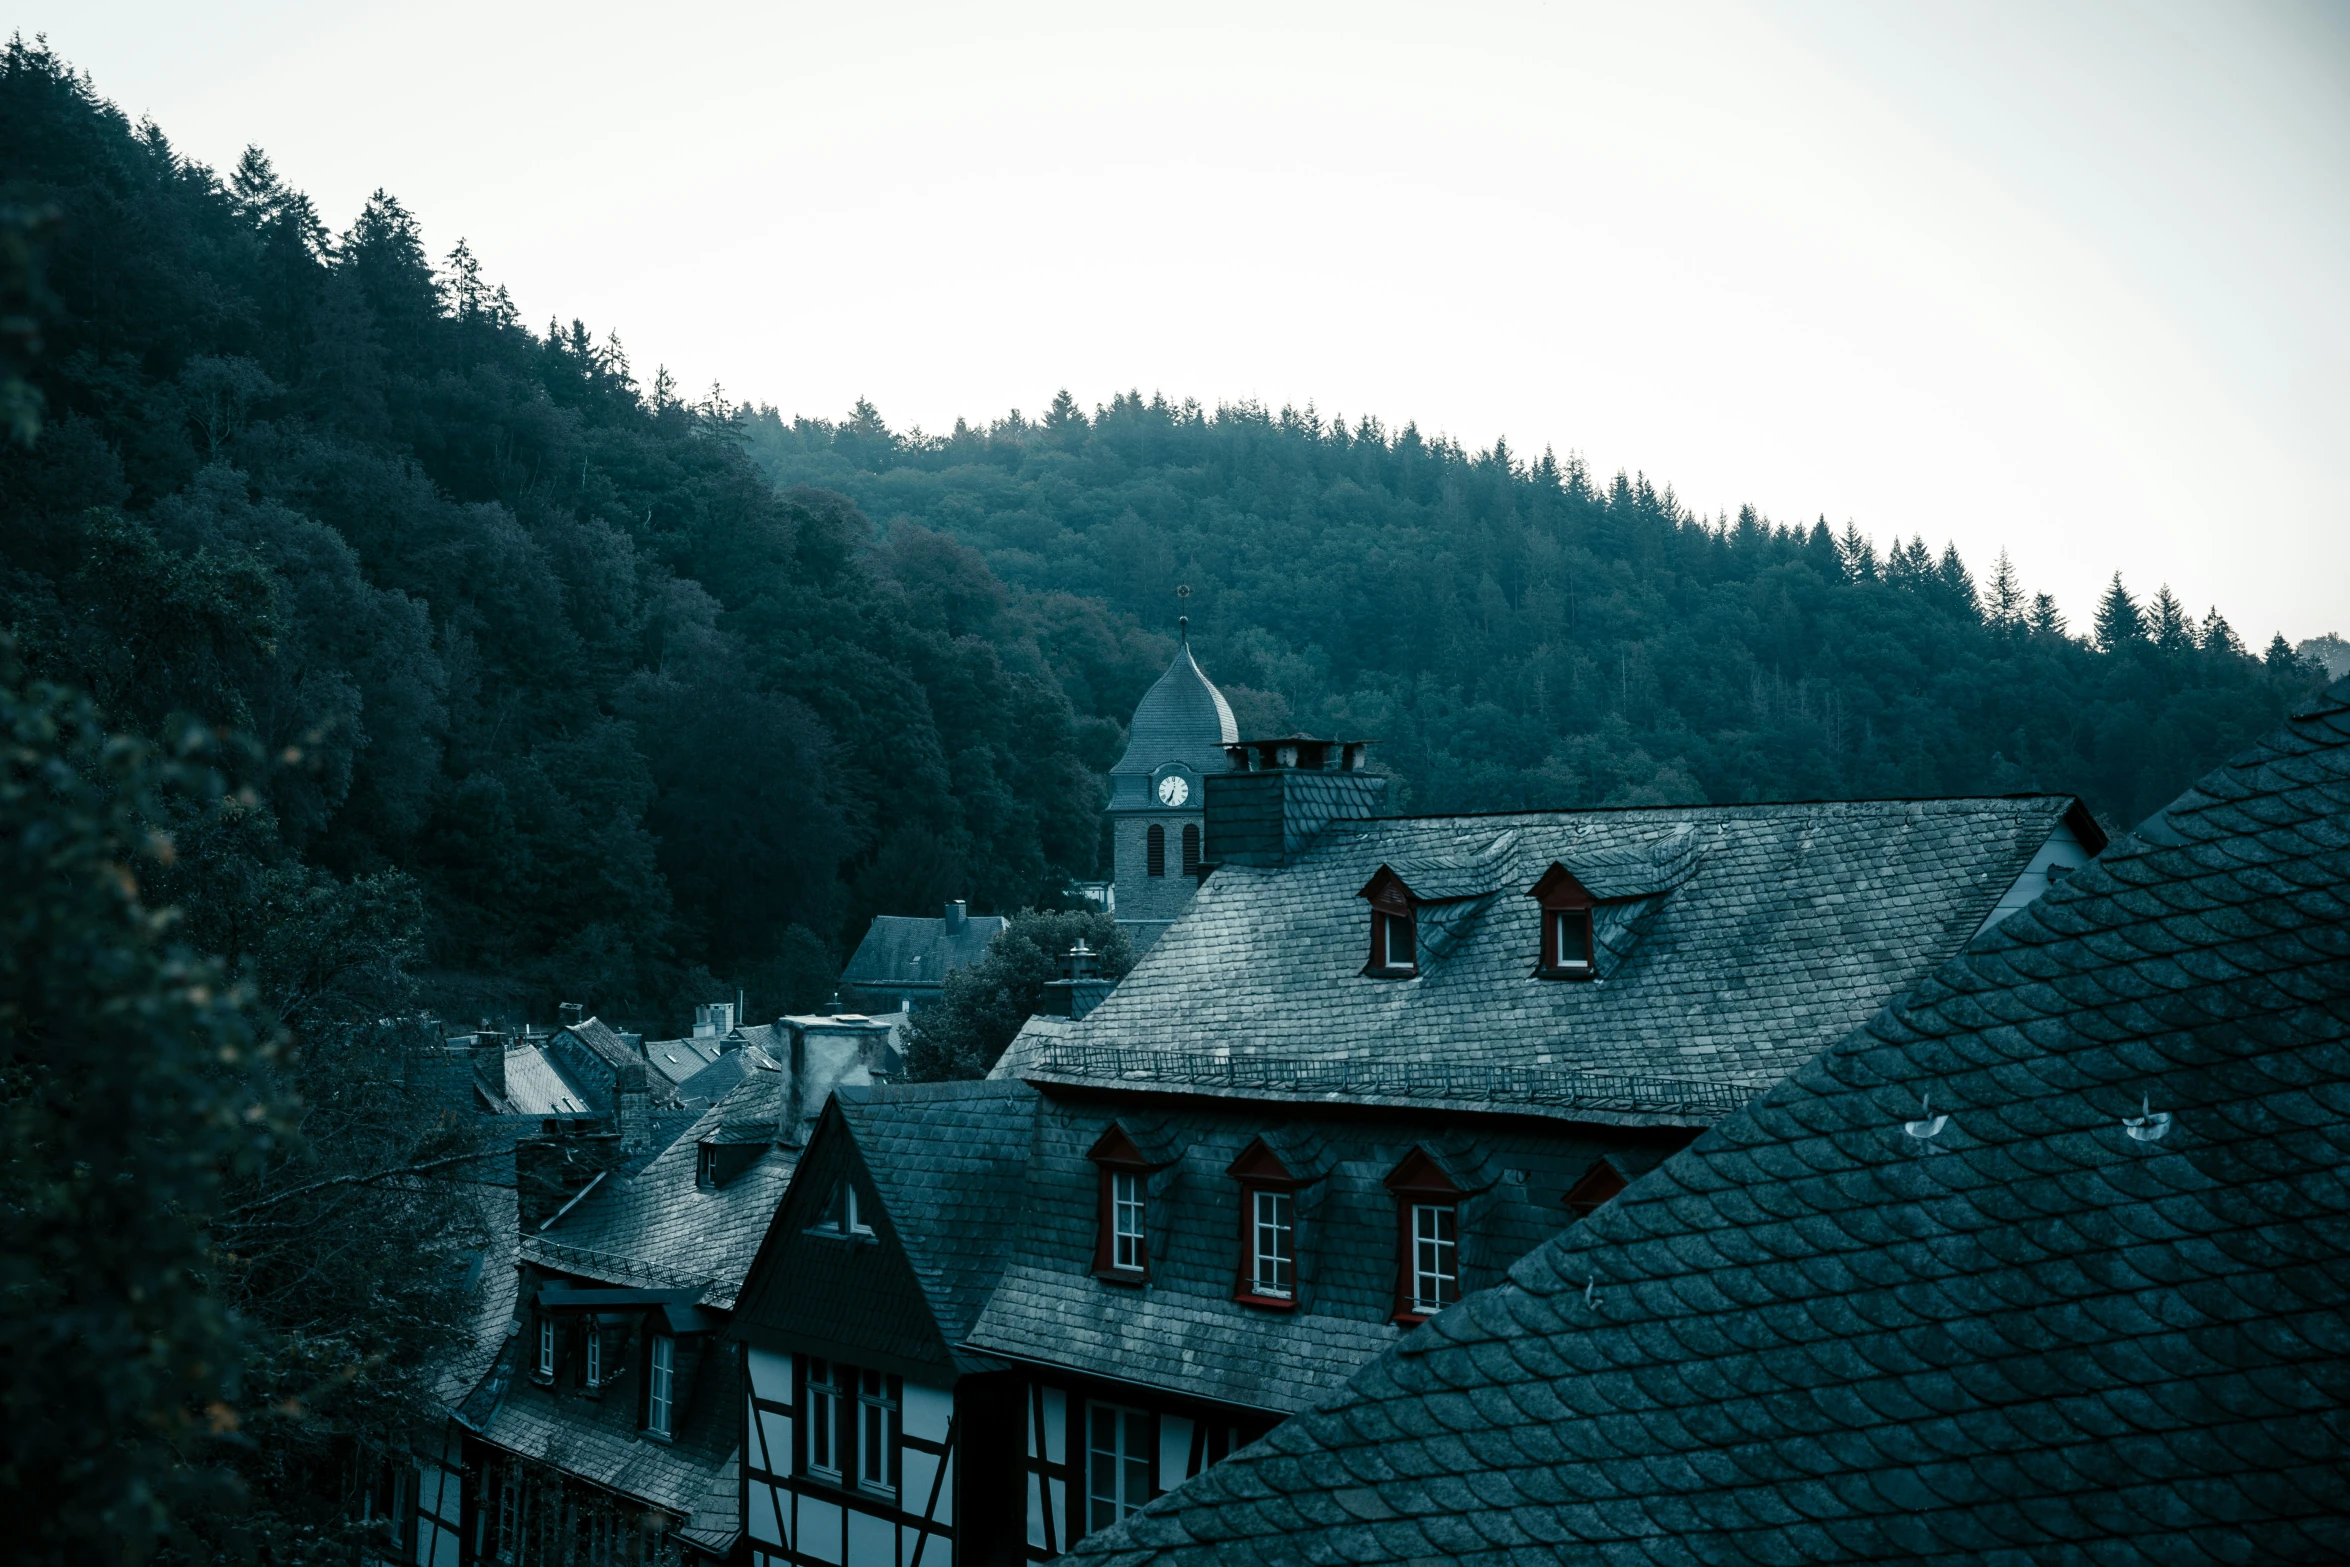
point(1260, 1170)
point(1394, 922)
point(1114, 1154)
point(1418, 1181)
point(1561, 897)
point(1595, 1190)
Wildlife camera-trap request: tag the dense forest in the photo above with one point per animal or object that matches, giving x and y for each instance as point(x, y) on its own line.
point(1525, 634)
point(628, 699)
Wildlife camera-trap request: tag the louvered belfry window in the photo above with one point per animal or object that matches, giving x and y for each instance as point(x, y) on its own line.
point(1154, 851)
point(1191, 849)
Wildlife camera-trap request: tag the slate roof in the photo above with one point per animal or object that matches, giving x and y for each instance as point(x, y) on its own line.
point(946, 1159)
point(1185, 1334)
point(1181, 718)
point(1754, 936)
point(675, 1061)
point(536, 1086)
point(903, 949)
point(657, 1227)
point(1842, 1327)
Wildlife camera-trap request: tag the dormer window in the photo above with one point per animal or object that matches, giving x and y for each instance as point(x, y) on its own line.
point(661, 1385)
point(1567, 949)
point(1595, 1190)
point(546, 1346)
point(1268, 1229)
point(1121, 1252)
point(1395, 933)
point(1427, 1238)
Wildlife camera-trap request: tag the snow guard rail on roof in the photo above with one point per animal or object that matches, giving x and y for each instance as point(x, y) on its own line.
point(1548, 1088)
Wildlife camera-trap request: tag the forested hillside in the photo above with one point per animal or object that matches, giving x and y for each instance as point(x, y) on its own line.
point(618, 696)
point(526, 643)
point(1523, 633)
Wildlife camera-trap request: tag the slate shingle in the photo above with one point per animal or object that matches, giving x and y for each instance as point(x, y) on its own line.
point(2051, 1344)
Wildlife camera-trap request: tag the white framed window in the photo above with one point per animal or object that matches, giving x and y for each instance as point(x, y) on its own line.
point(877, 1431)
point(824, 1392)
point(1272, 1244)
point(1436, 1257)
point(1394, 947)
point(546, 1346)
point(660, 1385)
point(593, 1365)
point(841, 1214)
point(1117, 1463)
point(1570, 940)
point(1126, 1247)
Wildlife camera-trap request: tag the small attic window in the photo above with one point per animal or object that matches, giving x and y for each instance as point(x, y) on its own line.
point(1566, 947)
point(1395, 932)
point(1595, 1190)
point(1427, 1238)
point(1267, 1272)
point(840, 1213)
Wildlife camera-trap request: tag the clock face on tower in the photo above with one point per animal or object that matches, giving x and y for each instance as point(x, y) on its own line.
point(1173, 791)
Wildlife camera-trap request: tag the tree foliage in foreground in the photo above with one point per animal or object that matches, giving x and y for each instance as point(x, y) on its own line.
point(1527, 634)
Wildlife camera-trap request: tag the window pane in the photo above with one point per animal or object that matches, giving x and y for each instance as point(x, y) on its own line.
point(1126, 1219)
point(1574, 939)
point(1118, 1464)
point(1273, 1270)
point(1435, 1254)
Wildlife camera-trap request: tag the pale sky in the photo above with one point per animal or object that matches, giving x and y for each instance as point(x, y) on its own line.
point(2071, 280)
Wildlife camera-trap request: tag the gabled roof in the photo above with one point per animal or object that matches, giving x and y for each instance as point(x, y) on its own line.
point(947, 1160)
point(537, 1086)
point(658, 1227)
point(939, 1167)
point(675, 1061)
point(2091, 1306)
point(901, 949)
point(1749, 938)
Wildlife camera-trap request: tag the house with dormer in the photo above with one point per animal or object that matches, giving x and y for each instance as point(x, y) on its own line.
point(1371, 1064)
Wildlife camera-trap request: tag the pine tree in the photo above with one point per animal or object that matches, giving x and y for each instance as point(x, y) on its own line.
point(1959, 583)
point(2173, 632)
point(2118, 619)
point(2006, 597)
point(2281, 658)
point(2218, 636)
point(2046, 619)
point(1856, 553)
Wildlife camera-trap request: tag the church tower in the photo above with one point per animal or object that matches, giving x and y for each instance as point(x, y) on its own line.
point(1157, 804)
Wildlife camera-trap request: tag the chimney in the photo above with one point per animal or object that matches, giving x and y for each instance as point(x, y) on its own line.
point(1079, 990)
point(489, 1058)
point(573, 1012)
point(1282, 792)
point(632, 1108)
point(957, 913)
point(795, 1069)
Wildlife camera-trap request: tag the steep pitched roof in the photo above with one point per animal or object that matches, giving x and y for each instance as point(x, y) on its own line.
point(903, 949)
point(1749, 938)
point(658, 1226)
point(947, 1160)
point(2091, 1306)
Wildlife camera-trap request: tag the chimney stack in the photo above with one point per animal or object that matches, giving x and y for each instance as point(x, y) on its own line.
point(957, 913)
point(573, 1013)
point(489, 1058)
point(632, 1108)
point(1282, 792)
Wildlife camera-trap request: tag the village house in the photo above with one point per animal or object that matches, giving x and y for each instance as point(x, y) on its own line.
point(2045, 1262)
point(1370, 1065)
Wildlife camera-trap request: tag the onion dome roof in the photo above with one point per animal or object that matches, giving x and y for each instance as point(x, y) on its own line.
point(1182, 718)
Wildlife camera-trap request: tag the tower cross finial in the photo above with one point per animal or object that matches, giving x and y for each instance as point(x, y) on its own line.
point(1182, 622)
